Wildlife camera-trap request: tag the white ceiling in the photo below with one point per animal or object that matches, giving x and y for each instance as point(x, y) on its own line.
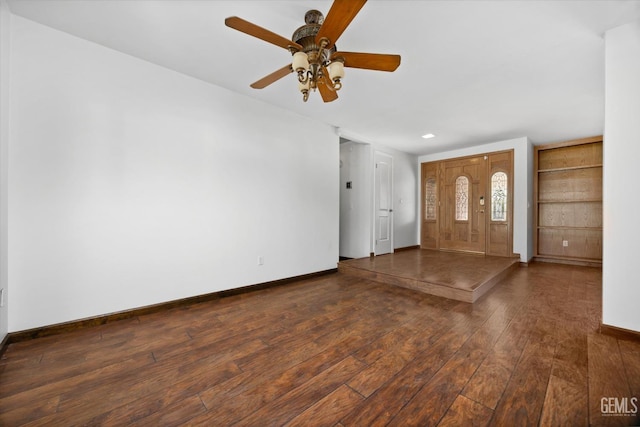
point(472, 71)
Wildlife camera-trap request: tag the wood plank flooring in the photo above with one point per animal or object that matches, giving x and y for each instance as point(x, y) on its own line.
point(338, 351)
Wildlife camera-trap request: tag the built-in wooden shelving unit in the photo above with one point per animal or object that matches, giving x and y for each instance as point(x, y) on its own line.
point(568, 201)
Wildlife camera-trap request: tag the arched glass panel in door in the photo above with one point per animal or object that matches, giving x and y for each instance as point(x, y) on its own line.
point(462, 198)
point(499, 196)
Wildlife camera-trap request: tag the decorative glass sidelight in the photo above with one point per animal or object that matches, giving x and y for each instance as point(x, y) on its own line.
point(430, 199)
point(462, 198)
point(499, 196)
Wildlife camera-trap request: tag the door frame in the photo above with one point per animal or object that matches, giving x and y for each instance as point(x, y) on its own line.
point(425, 173)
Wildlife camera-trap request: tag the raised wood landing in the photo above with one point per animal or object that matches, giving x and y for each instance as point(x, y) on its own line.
point(458, 276)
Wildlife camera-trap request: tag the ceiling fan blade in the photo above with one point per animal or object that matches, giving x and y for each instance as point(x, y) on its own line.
point(276, 75)
point(369, 61)
point(259, 32)
point(327, 94)
point(338, 19)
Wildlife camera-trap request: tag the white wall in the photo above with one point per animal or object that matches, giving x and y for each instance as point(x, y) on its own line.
point(5, 34)
point(132, 185)
point(356, 208)
point(523, 186)
point(620, 283)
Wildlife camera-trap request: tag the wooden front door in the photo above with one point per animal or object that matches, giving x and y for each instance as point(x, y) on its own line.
point(467, 204)
point(462, 204)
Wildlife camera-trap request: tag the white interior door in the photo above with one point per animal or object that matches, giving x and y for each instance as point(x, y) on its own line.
point(383, 194)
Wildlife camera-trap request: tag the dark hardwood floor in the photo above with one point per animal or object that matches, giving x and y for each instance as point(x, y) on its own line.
point(338, 351)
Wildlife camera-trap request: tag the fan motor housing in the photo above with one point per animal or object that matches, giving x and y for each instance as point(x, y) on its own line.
point(306, 35)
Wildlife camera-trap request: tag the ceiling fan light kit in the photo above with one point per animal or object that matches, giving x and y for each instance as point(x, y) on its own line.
point(316, 60)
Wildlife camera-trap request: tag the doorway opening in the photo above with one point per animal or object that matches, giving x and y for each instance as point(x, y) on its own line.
point(366, 200)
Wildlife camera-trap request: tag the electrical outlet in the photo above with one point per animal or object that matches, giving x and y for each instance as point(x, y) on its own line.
point(260, 260)
point(565, 243)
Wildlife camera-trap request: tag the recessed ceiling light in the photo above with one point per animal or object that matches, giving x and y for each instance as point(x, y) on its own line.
point(427, 136)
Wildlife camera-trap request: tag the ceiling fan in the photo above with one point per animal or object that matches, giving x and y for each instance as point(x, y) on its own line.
point(316, 60)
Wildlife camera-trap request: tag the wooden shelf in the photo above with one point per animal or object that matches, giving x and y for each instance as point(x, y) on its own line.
point(571, 168)
point(570, 201)
point(569, 258)
point(560, 227)
point(591, 262)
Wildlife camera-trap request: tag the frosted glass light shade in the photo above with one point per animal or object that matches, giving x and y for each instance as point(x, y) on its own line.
point(336, 70)
point(302, 87)
point(300, 61)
